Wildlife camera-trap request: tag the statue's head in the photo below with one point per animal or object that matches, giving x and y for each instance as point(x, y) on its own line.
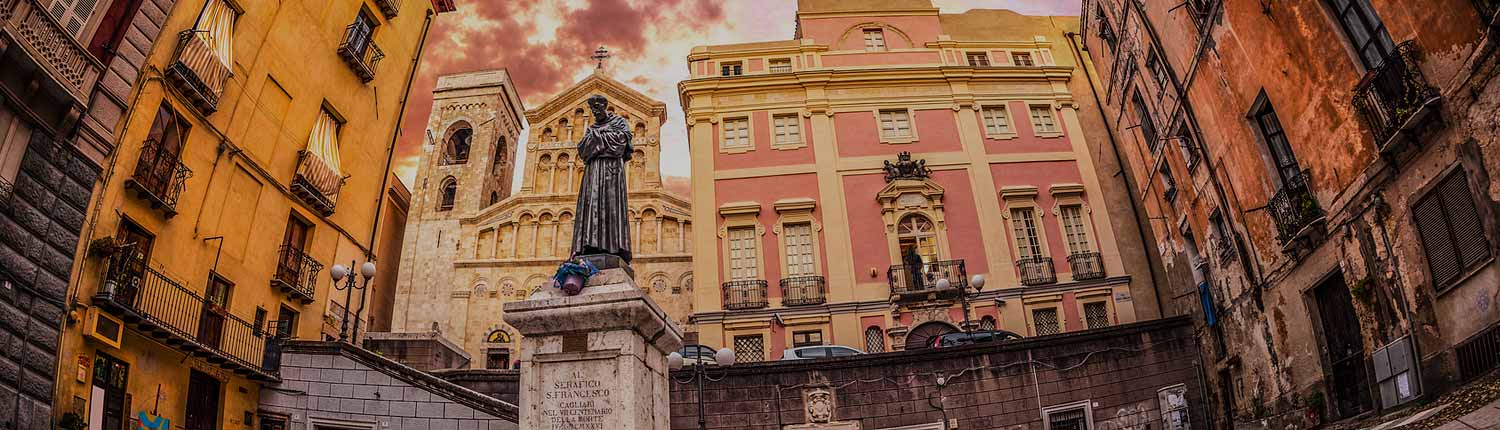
point(598, 104)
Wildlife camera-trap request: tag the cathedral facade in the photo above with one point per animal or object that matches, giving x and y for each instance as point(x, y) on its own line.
point(471, 248)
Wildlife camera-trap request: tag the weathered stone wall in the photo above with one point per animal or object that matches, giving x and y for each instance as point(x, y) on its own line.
point(332, 383)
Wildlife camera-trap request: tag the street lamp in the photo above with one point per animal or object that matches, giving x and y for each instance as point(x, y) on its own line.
point(339, 272)
point(963, 295)
point(722, 357)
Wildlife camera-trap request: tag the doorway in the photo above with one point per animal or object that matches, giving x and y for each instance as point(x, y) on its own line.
point(107, 396)
point(922, 336)
point(203, 402)
point(215, 307)
point(1347, 380)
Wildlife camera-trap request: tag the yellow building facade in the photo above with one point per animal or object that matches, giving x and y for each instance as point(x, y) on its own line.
point(253, 157)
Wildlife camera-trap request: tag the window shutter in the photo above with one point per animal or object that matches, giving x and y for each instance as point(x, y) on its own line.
point(1437, 240)
point(1470, 243)
point(73, 14)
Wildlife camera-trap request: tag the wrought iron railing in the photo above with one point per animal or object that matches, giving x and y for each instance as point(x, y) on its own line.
point(159, 176)
point(914, 278)
point(1036, 270)
point(1393, 93)
point(197, 71)
point(1294, 209)
point(745, 294)
point(389, 7)
point(296, 273)
point(51, 46)
point(162, 308)
point(1086, 265)
point(1487, 9)
point(360, 51)
point(803, 290)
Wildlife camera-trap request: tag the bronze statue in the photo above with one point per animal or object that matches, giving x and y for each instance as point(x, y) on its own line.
point(601, 223)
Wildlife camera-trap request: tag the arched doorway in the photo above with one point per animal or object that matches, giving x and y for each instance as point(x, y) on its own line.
point(921, 337)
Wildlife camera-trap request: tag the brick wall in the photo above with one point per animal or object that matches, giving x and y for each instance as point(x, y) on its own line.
point(331, 382)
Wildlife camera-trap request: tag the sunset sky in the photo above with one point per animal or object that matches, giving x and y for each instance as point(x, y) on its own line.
point(545, 45)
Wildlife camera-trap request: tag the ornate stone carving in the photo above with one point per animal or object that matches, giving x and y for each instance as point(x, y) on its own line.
point(905, 168)
point(820, 405)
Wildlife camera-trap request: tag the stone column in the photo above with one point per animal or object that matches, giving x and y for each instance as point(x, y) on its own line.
point(596, 360)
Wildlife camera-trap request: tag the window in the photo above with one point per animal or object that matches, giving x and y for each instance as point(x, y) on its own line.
point(456, 149)
point(1452, 233)
point(1023, 221)
point(260, 321)
point(749, 349)
point(987, 323)
point(1168, 185)
point(286, 323)
point(1281, 150)
point(807, 338)
point(321, 166)
point(498, 157)
point(781, 65)
point(161, 153)
point(73, 14)
point(359, 35)
point(731, 68)
point(874, 39)
point(1022, 59)
point(1078, 236)
point(978, 59)
point(799, 250)
point(736, 133)
point(874, 340)
point(916, 231)
point(449, 192)
point(15, 135)
point(1071, 418)
point(1159, 72)
point(1105, 29)
point(788, 129)
point(1364, 29)
point(743, 262)
point(1096, 314)
point(1223, 242)
point(996, 120)
point(1147, 122)
point(1045, 321)
point(498, 358)
point(895, 123)
point(1041, 118)
point(1187, 145)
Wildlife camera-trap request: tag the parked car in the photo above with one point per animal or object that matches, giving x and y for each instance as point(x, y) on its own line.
point(960, 339)
point(693, 354)
point(820, 351)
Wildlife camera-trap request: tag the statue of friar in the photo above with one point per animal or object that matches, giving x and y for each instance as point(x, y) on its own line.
point(601, 223)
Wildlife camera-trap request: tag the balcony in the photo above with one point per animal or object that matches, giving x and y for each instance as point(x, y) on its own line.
point(317, 184)
point(1395, 98)
point(296, 273)
point(911, 282)
point(197, 72)
point(745, 294)
point(159, 177)
point(1086, 266)
point(803, 291)
point(360, 52)
point(389, 7)
point(1036, 270)
point(1295, 211)
point(50, 46)
point(161, 308)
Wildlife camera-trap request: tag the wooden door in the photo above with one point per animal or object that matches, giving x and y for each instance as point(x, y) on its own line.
point(202, 402)
point(1349, 383)
point(215, 309)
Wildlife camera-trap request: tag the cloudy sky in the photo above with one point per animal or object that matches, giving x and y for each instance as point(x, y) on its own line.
point(545, 45)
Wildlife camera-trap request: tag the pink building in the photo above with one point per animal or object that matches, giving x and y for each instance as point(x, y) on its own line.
point(887, 133)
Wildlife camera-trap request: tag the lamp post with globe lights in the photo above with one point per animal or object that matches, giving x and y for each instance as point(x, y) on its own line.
point(722, 357)
point(963, 296)
point(339, 272)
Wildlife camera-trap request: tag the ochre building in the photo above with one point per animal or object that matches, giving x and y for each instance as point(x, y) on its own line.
point(858, 176)
point(252, 158)
point(471, 246)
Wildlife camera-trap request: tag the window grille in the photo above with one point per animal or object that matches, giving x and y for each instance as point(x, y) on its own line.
point(749, 349)
point(1096, 314)
point(1045, 321)
point(874, 340)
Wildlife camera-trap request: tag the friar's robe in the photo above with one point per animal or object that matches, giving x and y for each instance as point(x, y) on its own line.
point(601, 223)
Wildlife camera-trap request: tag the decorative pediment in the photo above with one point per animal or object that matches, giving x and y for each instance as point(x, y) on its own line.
point(597, 83)
point(909, 193)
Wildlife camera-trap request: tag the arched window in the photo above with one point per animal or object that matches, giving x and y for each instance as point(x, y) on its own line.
point(916, 231)
point(922, 336)
point(640, 130)
point(494, 197)
point(548, 134)
point(987, 323)
point(874, 340)
point(456, 148)
point(687, 284)
point(498, 156)
point(450, 191)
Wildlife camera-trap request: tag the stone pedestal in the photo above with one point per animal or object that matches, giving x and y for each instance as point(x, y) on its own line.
point(596, 360)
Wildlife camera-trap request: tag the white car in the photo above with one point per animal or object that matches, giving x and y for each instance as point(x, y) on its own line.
point(820, 351)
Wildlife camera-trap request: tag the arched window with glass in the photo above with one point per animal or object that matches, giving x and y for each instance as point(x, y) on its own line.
point(449, 193)
point(916, 231)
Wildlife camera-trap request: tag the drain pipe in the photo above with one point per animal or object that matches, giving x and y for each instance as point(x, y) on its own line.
point(390, 152)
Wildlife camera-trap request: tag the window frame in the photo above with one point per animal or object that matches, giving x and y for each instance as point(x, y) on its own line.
point(879, 32)
point(737, 66)
point(983, 58)
point(1274, 140)
point(748, 139)
point(1168, 182)
point(1010, 121)
point(806, 338)
point(446, 201)
point(911, 121)
point(1087, 243)
point(1031, 59)
point(1378, 34)
point(1146, 121)
point(801, 131)
point(1084, 405)
point(1036, 127)
point(1434, 191)
point(737, 216)
point(734, 340)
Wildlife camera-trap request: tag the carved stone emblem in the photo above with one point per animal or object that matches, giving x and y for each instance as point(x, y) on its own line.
point(819, 405)
point(905, 168)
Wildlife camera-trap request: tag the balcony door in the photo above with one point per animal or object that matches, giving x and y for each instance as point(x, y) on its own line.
point(359, 33)
point(1285, 160)
point(202, 402)
point(214, 312)
point(133, 259)
point(294, 245)
point(162, 151)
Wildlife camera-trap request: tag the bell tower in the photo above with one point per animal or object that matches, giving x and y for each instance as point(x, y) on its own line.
point(469, 150)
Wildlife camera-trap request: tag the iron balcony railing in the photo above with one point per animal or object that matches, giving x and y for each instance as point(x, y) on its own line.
point(360, 51)
point(1294, 209)
point(51, 46)
point(296, 273)
point(803, 290)
point(745, 294)
point(923, 278)
point(1086, 265)
point(162, 308)
point(1487, 10)
point(159, 176)
point(197, 71)
point(1036, 270)
point(1391, 96)
point(389, 7)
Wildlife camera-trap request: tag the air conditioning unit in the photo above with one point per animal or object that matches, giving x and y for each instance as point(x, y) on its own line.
point(104, 328)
